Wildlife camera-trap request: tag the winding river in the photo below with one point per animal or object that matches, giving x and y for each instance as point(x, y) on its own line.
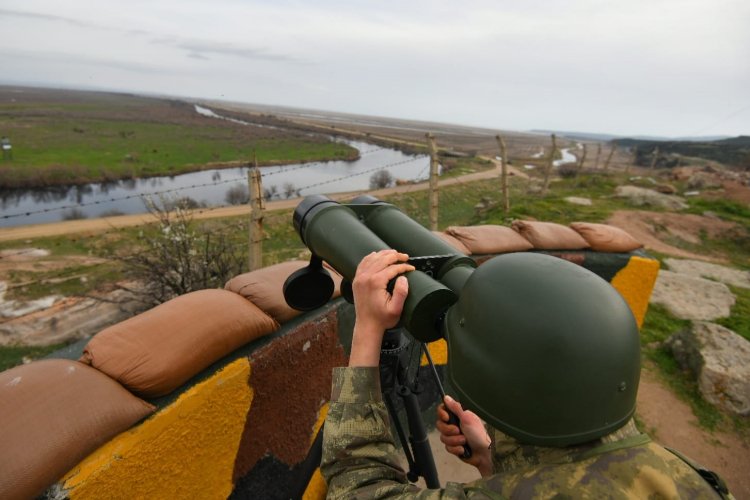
point(207, 187)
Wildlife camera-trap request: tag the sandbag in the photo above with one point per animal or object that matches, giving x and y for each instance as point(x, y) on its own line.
point(157, 351)
point(53, 414)
point(264, 288)
point(489, 239)
point(549, 236)
point(606, 238)
point(452, 241)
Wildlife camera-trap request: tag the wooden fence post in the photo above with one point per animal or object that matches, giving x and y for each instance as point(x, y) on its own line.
point(655, 154)
point(503, 173)
point(550, 162)
point(256, 218)
point(580, 162)
point(609, 157)
point(433, 182)
point(598, 154)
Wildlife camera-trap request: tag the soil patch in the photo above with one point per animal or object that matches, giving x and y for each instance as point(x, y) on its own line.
point(670, 422)
point(650, 228)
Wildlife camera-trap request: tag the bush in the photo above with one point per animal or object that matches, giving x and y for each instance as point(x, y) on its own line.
point(381, 179)
point(176, 256)
point(270, 192)
point(73, 214)
point(290, 191)
point(568, 170)
point(237, 195)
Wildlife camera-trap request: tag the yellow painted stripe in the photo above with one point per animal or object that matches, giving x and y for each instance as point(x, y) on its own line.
point(186, 450)
point(635, 282)
point(438, 352)
point(317, 487)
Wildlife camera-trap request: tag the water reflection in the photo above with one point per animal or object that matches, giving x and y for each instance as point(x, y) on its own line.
point(207, 187)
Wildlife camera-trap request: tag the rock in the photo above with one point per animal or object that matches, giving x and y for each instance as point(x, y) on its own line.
point(666, 189)
point(726, 275)
point(690, 297)
point(575, 200)
point(720, 361)
point(68, 319)
point(703, 180)
point(648, 197)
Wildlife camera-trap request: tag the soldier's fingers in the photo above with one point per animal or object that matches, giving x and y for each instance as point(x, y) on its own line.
point(384, 258)
point(455, 450)
point(458, 440)
point(447, 429)
point(441, 413)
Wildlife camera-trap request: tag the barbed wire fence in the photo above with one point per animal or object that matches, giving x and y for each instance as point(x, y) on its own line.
point(201, 211)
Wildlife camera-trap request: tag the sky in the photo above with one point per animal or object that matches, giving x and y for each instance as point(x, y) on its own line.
point(637, 67)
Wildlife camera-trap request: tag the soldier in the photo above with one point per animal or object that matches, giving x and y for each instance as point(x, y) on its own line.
point(540, 441)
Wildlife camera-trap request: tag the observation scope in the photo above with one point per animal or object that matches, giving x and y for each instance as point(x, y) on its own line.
point(342, 235)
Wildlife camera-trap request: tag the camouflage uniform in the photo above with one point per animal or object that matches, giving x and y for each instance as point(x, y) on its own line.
point(360, 459)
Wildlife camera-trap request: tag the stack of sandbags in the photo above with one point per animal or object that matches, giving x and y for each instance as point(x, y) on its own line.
point(549, 236)
point(535, 235)
point(157, 351)
point(264, 288)
point(54, 413)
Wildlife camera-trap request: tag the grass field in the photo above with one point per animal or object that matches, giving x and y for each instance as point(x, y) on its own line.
point(66, 137)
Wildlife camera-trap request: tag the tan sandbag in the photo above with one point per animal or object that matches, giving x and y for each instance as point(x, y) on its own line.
point(452, 241)
point(53, 413)
point(157, 351)
point(606, 238)
point(489, 239)
point(264, 288)
point(549, 236)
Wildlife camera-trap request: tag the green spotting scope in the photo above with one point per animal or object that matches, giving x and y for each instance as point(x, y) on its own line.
point(540, 348)
point(342, 235)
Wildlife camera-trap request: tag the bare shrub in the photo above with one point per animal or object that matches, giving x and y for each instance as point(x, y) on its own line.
point(568, 170)
point(73, 214)
point(184, 203)
point(176, 255)
point(237, 195)
point(270, 192)
point(290, 190)
point(381, 179)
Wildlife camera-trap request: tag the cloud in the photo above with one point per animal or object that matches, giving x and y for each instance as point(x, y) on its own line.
point(201, 49)
point(52, 58)
point(46, 17)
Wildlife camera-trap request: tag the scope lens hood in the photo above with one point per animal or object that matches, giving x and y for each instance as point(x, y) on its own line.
point(308, 207)
point(366, 199)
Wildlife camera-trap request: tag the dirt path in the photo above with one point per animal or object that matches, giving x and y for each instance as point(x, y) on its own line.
point(670, 422)
point(108, 223)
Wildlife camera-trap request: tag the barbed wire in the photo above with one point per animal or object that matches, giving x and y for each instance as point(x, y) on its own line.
point(282, 170)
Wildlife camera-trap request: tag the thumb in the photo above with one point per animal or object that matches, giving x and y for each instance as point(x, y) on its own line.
point(400, 291)
point(454, 406)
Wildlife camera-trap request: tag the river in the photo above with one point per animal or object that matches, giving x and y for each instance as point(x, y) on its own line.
point(208, 187)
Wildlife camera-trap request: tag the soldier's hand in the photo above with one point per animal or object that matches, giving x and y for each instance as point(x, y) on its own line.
point(472, 432)
point(376, 309)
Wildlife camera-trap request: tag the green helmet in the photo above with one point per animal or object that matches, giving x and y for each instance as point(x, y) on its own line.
point(543, 350)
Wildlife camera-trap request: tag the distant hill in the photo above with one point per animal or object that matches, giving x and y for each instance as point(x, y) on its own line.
point(733, 151)
point(590, 136)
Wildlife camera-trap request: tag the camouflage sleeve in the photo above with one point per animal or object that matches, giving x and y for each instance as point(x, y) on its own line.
point(359, 457)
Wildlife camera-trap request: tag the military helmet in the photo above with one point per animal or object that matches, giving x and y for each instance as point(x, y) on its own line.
point(543, 350)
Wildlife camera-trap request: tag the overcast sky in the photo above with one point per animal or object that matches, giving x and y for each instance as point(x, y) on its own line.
point(660, 67)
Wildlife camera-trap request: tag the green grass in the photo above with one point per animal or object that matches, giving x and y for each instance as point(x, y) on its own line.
point(739, 319)
point(11, 356)
point(657, 327)
point(51, 155)
point(66, 143)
